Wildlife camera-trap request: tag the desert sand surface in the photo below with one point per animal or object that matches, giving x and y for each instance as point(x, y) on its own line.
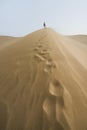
point(43, 83)
point(5, 41)
point(80, 38)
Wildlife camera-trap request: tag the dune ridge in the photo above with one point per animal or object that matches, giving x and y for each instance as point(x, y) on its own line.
point(43, 83)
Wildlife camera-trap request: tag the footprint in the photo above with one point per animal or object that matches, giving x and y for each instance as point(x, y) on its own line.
point(36, 49)
point(49, 66)
point(39, 58)
point(46, 71)
point(44, 50)
point(39, 46)
point(48, 63)
point(50, 104)
point(55, 88)
point(54, 65)
point(49, 109)
point(50, 59)
point(43, 53)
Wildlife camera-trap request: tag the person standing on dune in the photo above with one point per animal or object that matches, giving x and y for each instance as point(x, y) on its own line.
point(44, 24)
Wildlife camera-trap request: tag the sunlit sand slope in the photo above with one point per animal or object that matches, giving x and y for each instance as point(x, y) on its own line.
point(43, 83)
point(5, 41)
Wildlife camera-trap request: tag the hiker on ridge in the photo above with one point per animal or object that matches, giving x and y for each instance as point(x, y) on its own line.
point(44, 25)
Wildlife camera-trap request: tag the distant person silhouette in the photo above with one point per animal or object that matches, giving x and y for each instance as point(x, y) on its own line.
point(44, 24)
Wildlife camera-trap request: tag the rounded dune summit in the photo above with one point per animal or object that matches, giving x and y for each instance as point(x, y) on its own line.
point(43, 82)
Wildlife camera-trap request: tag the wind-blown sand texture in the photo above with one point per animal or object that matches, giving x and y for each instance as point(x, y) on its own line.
point(43, 83)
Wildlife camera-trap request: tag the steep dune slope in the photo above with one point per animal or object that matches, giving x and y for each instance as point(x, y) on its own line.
point(43, 83)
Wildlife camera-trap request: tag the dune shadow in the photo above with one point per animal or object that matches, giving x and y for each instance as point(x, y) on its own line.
point(3, 116)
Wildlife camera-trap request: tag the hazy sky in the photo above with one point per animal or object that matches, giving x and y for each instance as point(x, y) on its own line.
point(20, 17)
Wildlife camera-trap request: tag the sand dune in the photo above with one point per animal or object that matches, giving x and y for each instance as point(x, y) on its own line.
point(80, 38)
point(6, 41)
point(43, 83)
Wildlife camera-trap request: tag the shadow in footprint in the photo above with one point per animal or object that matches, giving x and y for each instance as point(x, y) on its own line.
point(56, 89)
point(3, 116)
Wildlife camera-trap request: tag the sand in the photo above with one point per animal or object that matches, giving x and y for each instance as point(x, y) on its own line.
point(6, 41)
point(80, 38)
point(43, 82)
